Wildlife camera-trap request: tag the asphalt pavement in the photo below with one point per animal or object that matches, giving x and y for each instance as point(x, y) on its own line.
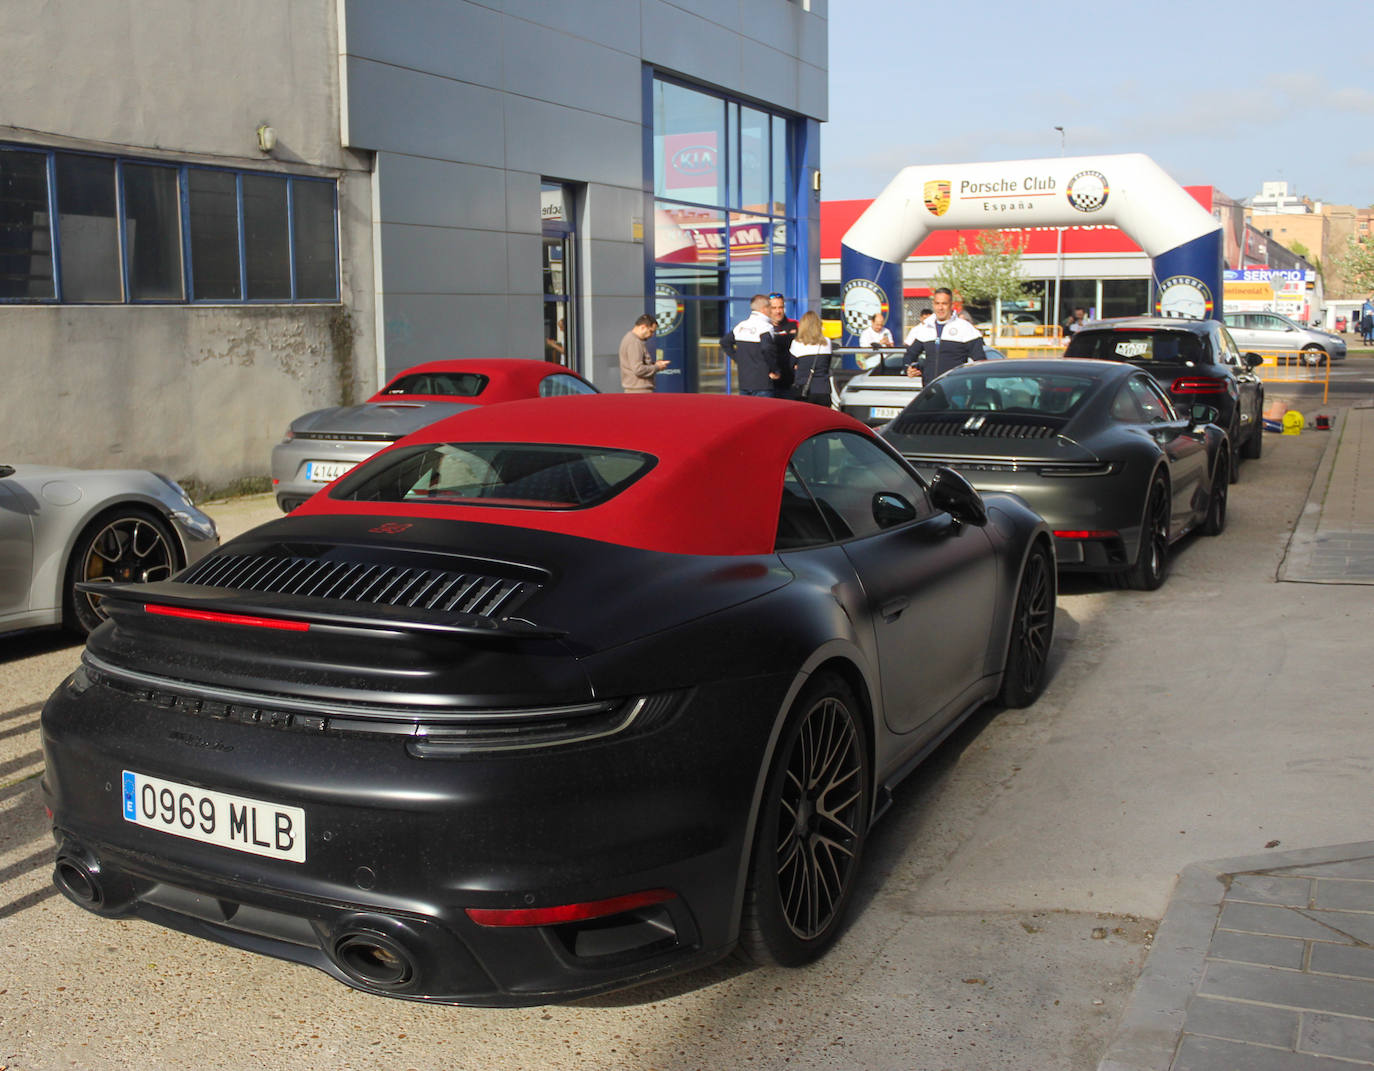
point(1266, 962)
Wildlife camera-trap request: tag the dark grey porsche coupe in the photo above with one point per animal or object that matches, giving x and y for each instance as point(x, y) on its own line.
point(1095, 447)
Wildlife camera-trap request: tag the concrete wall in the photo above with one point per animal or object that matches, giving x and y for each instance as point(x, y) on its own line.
point(469, 104)
point(199, 392)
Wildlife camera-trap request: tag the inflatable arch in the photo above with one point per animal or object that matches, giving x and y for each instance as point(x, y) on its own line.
point(1128, 191)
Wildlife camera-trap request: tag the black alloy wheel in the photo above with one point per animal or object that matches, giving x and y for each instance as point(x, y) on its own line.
point(1032, 632)
point(1152, 562)
point(1215, 523)
point(811, 832)
point(124, 547)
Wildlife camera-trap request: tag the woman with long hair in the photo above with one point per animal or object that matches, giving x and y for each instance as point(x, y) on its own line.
point(811, 360)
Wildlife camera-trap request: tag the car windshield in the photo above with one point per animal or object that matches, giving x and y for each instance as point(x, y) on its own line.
point(1051, 394)
point(521, 475)
point(1167, 347)
point(453, 384)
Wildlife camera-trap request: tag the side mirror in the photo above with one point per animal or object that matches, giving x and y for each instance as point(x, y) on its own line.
point(890, 510)
point(6, 470)
point(952, 494)
point(1203, 414)
point(1253, 360)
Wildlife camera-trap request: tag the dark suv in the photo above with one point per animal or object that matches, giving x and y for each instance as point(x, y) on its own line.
point(1196, 361)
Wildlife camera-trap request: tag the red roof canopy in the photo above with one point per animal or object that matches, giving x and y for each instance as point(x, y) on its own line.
point(716, 488)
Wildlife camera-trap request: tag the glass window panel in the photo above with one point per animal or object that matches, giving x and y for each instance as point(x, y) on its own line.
point(754, 160)
point(1125, 297)
point(780, 183)
point(214, 235)
point(87, 229)
point(689, 139)
point(152, 232)
point(266, 243)
point(314, 234)
point(686, 235)
point(25, 241)
point(750, 238)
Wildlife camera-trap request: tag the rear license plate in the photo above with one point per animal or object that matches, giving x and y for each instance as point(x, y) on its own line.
point(326, 471)
point(236, 822)
point(885, 412)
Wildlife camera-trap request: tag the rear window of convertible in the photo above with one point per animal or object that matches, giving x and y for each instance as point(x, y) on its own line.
point(450, 384)
point(519, 475)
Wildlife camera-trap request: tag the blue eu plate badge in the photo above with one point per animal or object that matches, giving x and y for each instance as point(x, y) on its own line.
point(130, 797)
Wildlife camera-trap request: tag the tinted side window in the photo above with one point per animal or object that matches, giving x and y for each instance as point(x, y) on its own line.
point(843, 471)
point(800, 520)
point(560, 384)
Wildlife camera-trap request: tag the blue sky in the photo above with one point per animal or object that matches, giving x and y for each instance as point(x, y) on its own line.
point(1217, 92)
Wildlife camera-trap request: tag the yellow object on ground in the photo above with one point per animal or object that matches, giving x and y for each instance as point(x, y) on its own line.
point(1292, 422)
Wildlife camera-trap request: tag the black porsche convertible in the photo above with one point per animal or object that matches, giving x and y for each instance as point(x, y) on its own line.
point(545, 699)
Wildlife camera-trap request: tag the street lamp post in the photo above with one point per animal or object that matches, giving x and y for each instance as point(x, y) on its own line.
point(1058, 247)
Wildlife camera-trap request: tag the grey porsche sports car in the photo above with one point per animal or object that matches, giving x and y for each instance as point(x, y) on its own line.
point(321, 446)
point(1095, 447)
point(59, 527)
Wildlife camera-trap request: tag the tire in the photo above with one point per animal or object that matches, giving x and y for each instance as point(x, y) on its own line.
point(125, 545)
point(1151, 564)
point(811, 831)
point(1032, 632)
point(1254, 446)
point(1215, 522)
point(1313, 356)
point(1233, 447)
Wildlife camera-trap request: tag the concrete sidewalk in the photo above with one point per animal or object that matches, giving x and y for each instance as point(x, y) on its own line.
point(1266, 963)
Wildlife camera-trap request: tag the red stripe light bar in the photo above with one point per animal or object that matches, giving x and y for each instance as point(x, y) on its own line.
point(552, 916)
point(1087, 533)
point(1198, 386)
point(227, 619)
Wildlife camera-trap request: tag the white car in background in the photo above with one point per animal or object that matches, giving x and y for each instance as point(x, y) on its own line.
point(881, 391)
point(1271, 333)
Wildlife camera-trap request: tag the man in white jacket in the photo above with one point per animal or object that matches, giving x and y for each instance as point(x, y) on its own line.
point(944, 341)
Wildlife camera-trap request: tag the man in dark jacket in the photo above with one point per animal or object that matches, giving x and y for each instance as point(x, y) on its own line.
point(780, 344)
point(944, 341)
point(749, 345)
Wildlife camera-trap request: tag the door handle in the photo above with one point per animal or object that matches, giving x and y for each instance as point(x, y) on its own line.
point(892, 609)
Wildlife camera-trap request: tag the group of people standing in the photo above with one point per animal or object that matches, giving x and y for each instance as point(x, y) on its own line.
point(778, 357)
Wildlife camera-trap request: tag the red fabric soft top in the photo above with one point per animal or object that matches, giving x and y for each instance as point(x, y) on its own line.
point(716, 488)
point(509, 378)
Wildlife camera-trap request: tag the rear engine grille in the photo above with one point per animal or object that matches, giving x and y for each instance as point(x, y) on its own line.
point(359, 582)
point(983, 425)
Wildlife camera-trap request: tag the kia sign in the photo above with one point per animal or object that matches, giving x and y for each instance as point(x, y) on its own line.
point(690, 161)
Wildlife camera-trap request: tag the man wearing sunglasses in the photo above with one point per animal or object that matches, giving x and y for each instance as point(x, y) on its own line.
point(780, 345)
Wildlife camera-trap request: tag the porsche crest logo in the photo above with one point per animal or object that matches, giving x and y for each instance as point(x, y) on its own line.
point(937, 196)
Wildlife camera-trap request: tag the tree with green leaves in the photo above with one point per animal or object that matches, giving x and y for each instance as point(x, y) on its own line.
point(990, 271)
point(1355, 266)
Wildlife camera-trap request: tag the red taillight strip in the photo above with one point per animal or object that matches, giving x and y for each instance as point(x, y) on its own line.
point(1198, 386)
point(227, 619)
point(551, 916)
point(1086, 533)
